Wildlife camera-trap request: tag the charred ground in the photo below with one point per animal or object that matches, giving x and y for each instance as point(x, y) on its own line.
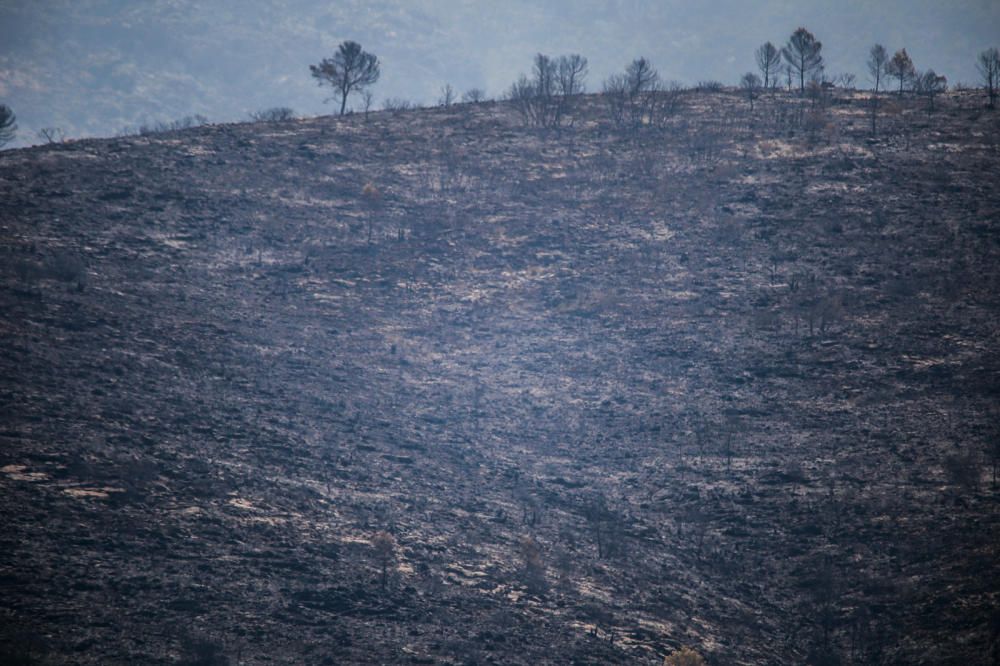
point(731, 383)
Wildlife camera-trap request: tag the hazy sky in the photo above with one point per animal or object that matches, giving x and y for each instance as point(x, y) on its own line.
point(95, 67)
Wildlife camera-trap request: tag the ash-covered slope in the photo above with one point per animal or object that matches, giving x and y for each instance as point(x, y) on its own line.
point(731, 384)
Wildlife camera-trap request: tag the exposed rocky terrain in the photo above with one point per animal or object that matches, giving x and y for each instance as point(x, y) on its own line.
point(731, 384)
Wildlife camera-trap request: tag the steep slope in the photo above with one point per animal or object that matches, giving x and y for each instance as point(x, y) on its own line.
point(729, 384)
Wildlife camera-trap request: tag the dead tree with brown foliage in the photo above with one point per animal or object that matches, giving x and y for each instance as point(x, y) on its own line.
point(533, 566)
point(901, 68)
point(684, 657)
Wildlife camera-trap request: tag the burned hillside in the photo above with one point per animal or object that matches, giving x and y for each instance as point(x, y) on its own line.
point(436, 387)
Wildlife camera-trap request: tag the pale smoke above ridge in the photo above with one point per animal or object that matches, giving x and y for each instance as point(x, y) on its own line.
point(96, 67)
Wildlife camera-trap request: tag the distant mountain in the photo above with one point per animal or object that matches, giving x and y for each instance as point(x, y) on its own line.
point(96, 67)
